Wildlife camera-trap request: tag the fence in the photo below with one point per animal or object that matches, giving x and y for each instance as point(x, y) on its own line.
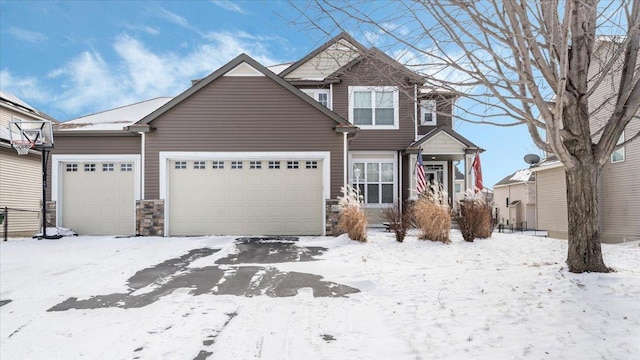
point(23, 221)
point(521, 228)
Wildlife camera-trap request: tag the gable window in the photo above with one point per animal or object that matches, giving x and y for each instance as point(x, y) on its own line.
point(374, 107)
point(319, 95)
point(618, 155)
point(428, 114)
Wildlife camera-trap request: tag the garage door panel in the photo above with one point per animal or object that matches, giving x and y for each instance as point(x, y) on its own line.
point(245, 201)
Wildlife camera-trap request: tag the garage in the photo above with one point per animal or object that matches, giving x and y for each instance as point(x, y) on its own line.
point(97, 197)
point(246, 196)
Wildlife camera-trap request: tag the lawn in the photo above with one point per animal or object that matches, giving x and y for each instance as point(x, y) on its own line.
point(506, 297)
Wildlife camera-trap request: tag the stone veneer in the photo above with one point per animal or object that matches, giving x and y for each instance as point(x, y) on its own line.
point(333, 215)
point(150, 217)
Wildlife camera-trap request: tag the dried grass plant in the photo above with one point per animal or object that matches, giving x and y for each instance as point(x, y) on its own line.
point(431, 215)
point(399, 220)
point(475, 217)
point(353, 219)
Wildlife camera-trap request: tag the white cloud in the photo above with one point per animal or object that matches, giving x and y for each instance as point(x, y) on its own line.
point(228, 5)
point(26, 88)
point(172, 17)
point(144, 28)
point(28, 36)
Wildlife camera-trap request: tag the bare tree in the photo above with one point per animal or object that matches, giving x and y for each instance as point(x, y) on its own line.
point(534, 63)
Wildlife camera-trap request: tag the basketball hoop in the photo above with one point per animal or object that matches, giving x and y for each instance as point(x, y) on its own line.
point(22, 146)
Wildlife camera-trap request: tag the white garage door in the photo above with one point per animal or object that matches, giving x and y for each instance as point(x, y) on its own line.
point(245, 197)
point(98, 197)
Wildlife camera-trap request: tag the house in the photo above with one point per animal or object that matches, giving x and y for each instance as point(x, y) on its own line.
point(256, 150)
point(20, 175)
point(515, 199)
point(619, 189)
point(458, 187)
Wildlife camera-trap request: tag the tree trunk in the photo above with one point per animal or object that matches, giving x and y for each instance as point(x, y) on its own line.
point(584, 253)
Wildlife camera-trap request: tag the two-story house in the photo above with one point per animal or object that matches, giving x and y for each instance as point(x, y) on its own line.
point(515, 199)
point(20, 175)
point(256, 150)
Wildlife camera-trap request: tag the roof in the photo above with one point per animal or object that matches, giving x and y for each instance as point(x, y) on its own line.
point(520, 176)
point(278, 68)
point(244, 58)
point(548, 163)
point(114, 119)
point(8, 99)
point(384, 58)
point(459, 175)
point(441, 128)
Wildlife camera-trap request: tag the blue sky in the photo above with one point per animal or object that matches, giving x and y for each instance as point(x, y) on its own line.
point(73, 58)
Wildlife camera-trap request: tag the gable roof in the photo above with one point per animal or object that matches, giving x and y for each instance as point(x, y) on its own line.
point(342, 36)
point(342, 124)
point(9, 100)
point(385, 59)
point(114, 119)
point(415, 146)
point(518, 177)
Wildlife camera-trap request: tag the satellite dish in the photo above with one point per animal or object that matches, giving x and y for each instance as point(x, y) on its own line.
point(531, 159)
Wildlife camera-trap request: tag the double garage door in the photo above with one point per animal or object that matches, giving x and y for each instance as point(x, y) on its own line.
point(245, 197)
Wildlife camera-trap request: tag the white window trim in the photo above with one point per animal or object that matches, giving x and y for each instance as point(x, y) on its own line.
point(413, 158)
point(396, 106)
point(369, 157)
point(166, 156)
point(620, 151)
point(434, 113)
point(57, 162)
point(314, 93)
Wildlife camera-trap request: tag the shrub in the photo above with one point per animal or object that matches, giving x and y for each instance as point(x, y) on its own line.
point(353, 219)
point(399, 221)
point(475, 218)
point(431, 215)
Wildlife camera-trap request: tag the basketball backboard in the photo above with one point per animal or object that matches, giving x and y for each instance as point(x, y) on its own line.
point(38, 133)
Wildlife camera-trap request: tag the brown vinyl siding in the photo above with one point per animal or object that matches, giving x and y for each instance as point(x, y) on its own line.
point(444, 106)
point(72, 144)
point(370, 72)
point(242, 114)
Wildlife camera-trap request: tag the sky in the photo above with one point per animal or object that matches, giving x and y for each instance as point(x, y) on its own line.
point(75, 58)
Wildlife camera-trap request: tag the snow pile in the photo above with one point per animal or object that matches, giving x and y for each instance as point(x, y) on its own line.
point(521, 175)
point(506, 297)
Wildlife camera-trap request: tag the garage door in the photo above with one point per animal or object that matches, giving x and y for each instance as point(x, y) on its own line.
point(98, 198)
point(245, 197)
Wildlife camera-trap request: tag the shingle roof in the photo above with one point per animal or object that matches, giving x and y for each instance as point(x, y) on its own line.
point(520, 176)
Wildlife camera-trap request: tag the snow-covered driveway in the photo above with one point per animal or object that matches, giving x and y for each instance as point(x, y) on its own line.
point(318, 298)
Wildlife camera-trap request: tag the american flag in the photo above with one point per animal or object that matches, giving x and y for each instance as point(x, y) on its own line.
point(421, 185)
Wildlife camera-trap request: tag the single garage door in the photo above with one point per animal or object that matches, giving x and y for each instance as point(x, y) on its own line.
point(245, 197)
point(98, 198)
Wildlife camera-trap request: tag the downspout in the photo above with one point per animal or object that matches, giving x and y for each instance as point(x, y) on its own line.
point(143, 140)
point(344, 160)
point(415, 112)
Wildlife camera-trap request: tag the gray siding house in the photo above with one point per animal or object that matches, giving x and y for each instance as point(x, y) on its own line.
point(257, 150)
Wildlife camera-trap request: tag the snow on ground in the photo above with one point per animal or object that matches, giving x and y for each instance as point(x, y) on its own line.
point(507, 297)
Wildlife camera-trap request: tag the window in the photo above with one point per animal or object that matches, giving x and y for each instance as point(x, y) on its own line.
point(373, 107)
point(312, 164)
point(218, 165)
point(458, 188)
point(293, 164)
point(255, 165)
point(108, 168)
point(180, 165)
point(428, 115)
point(319, 95)
point(376, 181)
point(126, 167)
point(274, 164)
point(72, 167)
point(618, 155)
point(90, 167)
point(236, 164)
point(199, 165)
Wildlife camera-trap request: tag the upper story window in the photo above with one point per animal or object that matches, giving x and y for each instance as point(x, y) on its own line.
point(319, 95)
point(374, 107)
point(618, 155)
point(428, 114)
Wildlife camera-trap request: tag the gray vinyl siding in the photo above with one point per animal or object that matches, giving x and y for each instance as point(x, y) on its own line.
point(368, 73)
point(72, 144)
point(551, 202)
point(242, 114)
point(20, 191)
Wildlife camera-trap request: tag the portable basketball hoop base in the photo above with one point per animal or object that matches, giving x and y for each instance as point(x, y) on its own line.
point(36, 135)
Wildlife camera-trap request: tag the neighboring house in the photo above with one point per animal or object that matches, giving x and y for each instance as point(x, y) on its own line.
point(20, 175)
point(247, 150)
point(458, 187)
point(619, 188)
point(515, 199)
